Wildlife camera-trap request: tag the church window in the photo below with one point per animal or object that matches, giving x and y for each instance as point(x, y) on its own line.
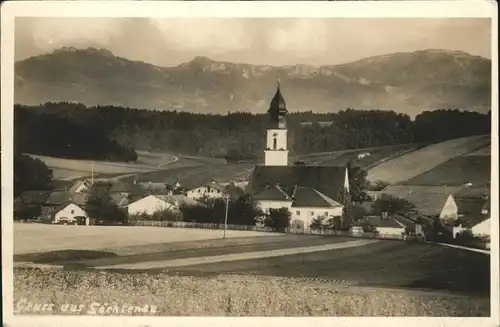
point(72, 212)
point(312, 213)
point(326, 213)
point(275, 143)
point(298, 212)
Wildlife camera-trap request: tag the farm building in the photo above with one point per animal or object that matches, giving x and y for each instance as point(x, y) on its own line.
point(148, 205)
point(304, 204)
point(431, 201)
point(213, 190)
point(69, 214)
point(307, 191)
point(387, 226)
point(483, 228)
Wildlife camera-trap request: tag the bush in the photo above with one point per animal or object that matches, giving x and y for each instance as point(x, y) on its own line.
point(100, 208)
point(242, 210)
point(391, 205)
point(318, 223)
point(163, 215)
point(278, 219)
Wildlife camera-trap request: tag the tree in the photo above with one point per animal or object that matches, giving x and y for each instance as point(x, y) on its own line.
point(318, 223)
point(278, 219)
point(243, 211)
point(347, 213)
point(100, 208)
point(30, 174)
point(391, 205)
point(358, 183)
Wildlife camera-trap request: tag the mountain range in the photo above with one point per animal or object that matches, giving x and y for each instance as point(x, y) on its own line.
point(409, 83)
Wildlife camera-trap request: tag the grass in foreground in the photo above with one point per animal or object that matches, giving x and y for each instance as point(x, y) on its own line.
point(233, 296)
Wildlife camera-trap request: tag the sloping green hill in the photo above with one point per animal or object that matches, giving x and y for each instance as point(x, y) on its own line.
point(416, 163)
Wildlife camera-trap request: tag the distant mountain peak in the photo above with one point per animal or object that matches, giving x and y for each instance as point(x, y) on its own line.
point(407, 82)
point(91, 50)
point(202, 60)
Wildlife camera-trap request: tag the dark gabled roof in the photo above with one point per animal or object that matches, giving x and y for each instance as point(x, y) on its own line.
point(428, 200)
point(470, 206)
point(121, 187)
point(58, 198)
point(309, 197)
point(273, 193)
point(328, 180)
point(61, 185)
point(388, 222)
point(470, 221)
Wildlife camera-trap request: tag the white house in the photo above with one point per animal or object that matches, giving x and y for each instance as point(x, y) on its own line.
point(210, 191)
point(69, 214)
point(149, 205)
point(387, 226)
point(483, 228)
point(304, 204)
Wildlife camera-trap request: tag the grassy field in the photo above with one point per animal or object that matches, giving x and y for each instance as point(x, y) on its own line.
point(72, 168)
point(31, 238)
point(377, 155)
point(192, 176)
point(457, 172)
point(422, 160)
point(385, 263)
point(226, 296)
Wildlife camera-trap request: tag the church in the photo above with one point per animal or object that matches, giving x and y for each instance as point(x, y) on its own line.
point(307, 191)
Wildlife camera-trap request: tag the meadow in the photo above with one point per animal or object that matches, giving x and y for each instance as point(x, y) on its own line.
point(31, 238)
point(417, 162)
point(226, 295)
point(457, 172)
point(377, 155)
point(72, 168)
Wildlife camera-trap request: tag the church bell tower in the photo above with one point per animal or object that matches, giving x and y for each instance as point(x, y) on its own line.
point(276, 153)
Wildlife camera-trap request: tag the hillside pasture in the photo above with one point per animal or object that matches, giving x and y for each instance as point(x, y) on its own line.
point(417, 162)
point(35, 238)
point(377, 155)
point(74, 168)
point(456, 172)
point(195, 176)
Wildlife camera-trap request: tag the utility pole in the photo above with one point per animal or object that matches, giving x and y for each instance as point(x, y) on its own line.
point(225, 218)
point(92, 178)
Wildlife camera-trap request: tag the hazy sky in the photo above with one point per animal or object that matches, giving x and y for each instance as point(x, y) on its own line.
point(253, 40)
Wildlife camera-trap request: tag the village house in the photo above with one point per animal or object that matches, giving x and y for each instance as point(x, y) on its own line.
point(213, 191)
point(155, 203)
point(304, 204)
point(474, 215)
point(149, 205)
point(387, 225)
point(307, 192)
point(430, 201)
point(70, 214)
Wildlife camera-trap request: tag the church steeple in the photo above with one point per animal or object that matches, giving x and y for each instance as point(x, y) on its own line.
point(277, 108)
point(276, 153)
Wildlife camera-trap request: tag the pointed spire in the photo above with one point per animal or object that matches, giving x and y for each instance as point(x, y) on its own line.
point(277, 108)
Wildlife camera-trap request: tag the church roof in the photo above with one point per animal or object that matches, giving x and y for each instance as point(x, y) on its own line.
point(309, 197)
point(329, 180)
point(273, 193)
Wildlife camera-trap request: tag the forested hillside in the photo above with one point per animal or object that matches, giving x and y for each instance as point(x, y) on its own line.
point(107, 132)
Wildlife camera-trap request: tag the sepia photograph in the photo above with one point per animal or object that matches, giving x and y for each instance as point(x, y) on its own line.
point(251, 166)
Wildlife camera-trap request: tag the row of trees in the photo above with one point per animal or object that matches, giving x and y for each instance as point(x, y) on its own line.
point(110, 132)
point(30, 174)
